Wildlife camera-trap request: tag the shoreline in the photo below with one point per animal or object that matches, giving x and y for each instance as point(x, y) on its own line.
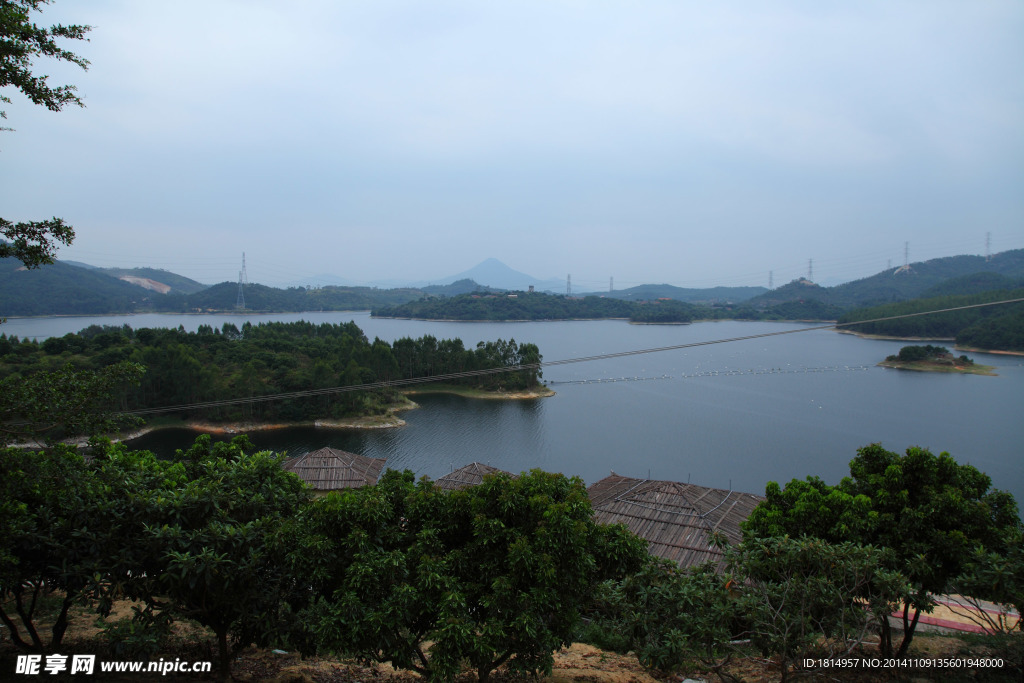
point(865, 335)
point(925, 366)
point(541, 391)
point(388, 420)
point(956, 347)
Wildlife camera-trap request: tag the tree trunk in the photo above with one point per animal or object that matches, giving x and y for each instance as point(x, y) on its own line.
point(61, 625)
point(225, 656)
point(908, 632)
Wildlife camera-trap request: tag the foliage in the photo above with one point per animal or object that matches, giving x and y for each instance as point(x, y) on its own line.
point(909, 354)
point(672, 618)
point(929, 511)
point(22, 42)
point(34, 243)
point(514, 306)
point(75, 526)
point(665, 312)
point(489, 575)
point(997, 327)
point(997, 577)
point(1004, 332)
point(806, 596)
point(232, 363)
point(792, 598)
point(65, 403)
point(208, 542)
point(44, 540)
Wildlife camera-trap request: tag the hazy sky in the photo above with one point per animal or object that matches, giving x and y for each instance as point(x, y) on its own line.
point(694, 143)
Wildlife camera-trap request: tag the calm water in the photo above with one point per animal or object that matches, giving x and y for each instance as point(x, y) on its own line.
point(737, 414)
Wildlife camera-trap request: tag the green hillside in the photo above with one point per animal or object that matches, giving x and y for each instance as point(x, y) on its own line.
point(60, 289)
point(178, 283)
point(712, 295)
point(998, 327)
point(968, 273)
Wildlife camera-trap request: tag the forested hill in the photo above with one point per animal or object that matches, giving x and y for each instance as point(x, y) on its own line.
point(178, 284)
point(68, 289)
point(60, 289)
point(710, 295)
point(269, 358)
point(538, 306)
point(956, 274)
point(513, 306)
point(997, 328)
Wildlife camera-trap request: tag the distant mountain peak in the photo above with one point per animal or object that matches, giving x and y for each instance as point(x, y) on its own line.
point(492, 272)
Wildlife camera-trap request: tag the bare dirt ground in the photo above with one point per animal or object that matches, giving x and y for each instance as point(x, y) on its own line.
point(578, 663)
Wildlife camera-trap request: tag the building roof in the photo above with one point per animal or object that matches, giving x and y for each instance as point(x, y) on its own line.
point(677, 520)
point(330, 469)
point(470, 475)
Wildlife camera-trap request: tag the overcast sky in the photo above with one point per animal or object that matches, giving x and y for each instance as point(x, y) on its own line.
point(697, 144)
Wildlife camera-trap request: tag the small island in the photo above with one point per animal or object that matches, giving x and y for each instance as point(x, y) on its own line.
point(930, 358)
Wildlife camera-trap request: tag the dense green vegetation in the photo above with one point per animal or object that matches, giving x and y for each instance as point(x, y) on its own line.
point(231, 363)
point(998, 327)
point(63, 289)
point(930, 513)
point(706, 296)
point(537, 306)
point(513, 306)
point(498, 574)
point(493, 575)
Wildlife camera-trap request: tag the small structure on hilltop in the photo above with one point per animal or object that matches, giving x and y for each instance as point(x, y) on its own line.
point(471, 475)
point(330, 469)
point(677, 520)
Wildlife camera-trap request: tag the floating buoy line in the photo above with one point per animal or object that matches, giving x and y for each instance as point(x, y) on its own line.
point(716, 373)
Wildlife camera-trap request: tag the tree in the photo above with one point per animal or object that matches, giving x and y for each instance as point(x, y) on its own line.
point(34, 243)
point(70, 531)
point(46, 498)
point(209, 542)
point(804, 595)
point(22, 42)
point(929, 511)
point(672, 618)
point(491, 575)
point(49, 405)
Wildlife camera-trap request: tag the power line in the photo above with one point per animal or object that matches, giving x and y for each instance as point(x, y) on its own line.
point(532, 366)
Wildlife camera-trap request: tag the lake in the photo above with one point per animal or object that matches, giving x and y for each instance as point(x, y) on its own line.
point(732, 415)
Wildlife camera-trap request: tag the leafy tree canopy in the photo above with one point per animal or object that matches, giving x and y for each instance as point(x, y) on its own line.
point(491, 575)
point(22, 41)
point(931, 512)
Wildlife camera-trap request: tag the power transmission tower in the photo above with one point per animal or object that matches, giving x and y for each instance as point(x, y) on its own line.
point(242, 280)
point(611, 284)
point(771, 279)
point(906, 253)
point(810, 270)
point(988, 246)
point(568, 284)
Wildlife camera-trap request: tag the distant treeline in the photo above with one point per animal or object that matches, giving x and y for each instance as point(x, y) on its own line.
point(230, 363)
point(538, 306)
point(999, 327)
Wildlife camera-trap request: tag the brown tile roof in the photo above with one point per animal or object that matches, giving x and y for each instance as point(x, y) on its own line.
point(464, 477)
point(329, 469)
point(677, 520)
